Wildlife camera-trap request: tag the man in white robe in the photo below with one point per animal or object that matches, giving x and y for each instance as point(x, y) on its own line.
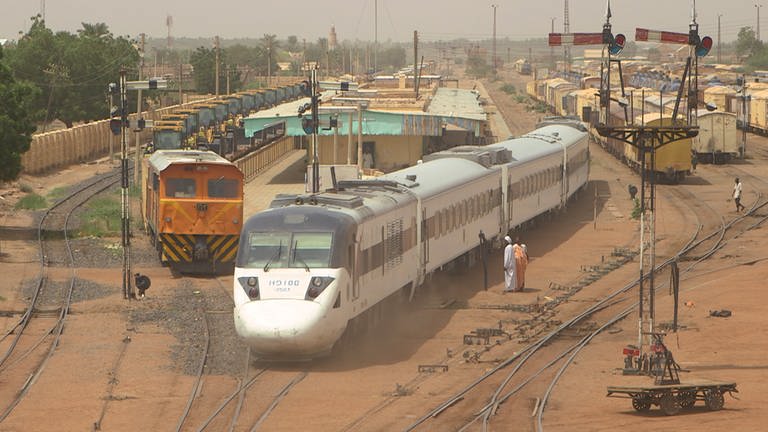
point(509, 266)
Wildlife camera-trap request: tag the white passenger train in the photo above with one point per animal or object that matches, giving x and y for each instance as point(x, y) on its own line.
point(313, 266)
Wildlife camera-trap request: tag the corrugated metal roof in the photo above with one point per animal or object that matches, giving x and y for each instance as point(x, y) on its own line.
point(451, 102)
point(413, 123)
point(719, 90)
point(162, 159)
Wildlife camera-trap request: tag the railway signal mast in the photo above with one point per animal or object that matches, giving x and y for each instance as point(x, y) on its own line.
point(118, 124)
point(647, 140)
point(311, 123)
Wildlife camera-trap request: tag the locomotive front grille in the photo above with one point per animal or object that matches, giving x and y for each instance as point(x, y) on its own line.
point(183, 248)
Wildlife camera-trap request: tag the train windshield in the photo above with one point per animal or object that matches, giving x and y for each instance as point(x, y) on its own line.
point(180, 188)
point(269, 250)
point(223, 188)
point(167, 140)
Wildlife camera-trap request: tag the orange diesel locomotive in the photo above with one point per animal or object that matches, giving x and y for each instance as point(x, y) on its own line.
point(193, 209)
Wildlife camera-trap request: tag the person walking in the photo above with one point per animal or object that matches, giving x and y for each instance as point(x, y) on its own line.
point(694, 160)
point(737, 195)
point(510, 267)
point(521, 262)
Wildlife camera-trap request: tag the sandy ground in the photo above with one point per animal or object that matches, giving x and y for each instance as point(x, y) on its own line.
point(151, 388)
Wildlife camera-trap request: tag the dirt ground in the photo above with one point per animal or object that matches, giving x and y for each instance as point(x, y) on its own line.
point(152, 384)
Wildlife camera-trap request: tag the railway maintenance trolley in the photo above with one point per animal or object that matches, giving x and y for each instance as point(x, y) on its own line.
point(671, 398)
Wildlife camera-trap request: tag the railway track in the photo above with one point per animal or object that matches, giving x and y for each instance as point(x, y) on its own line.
point(209, 410)
point(32, 340)
point(608, 311)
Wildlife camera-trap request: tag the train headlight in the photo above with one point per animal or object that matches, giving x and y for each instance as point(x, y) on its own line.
point(317, 285)
point(250, 285)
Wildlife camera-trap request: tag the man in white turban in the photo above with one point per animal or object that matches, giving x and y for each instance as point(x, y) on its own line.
point(509, 266)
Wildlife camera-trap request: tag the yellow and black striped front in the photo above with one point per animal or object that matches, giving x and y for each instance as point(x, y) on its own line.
point(181, 249)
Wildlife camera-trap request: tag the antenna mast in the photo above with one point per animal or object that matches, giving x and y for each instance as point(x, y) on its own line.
point(169, 24)
point(566, 48)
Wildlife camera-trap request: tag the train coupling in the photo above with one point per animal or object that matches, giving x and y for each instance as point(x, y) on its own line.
point(201, 250)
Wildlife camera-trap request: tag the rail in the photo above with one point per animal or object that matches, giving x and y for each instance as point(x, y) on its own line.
point(254, 163)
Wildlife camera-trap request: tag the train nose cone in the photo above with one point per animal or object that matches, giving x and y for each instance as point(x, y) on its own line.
point(283, 327)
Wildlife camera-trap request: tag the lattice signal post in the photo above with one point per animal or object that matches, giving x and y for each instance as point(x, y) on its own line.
point(311, 124)
point(118, 124)
point(648, 139)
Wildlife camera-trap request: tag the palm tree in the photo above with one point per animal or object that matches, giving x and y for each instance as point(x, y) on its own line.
point(270, 43)
point(97, 30)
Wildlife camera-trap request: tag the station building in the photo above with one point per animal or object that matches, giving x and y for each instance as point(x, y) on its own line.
point(382, 128)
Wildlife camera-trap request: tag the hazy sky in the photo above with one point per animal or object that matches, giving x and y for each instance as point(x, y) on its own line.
point(397, 19)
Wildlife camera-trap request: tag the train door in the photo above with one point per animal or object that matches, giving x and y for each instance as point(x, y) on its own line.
point(355, 273)
point(369, 154)
point(565, 182)
point(426, 234)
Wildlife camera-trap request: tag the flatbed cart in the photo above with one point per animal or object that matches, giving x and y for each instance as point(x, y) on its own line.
point(671, 398)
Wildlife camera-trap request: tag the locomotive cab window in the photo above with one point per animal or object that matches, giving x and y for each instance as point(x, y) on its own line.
point(222, 188)
point(180, 188)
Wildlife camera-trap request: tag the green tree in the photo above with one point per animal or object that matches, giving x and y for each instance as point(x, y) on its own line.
point(477, 66)
point(747, 44)
point(72, 71)
point(391, 57)
point(203, 62)
point(292, 44)
point(16, 121)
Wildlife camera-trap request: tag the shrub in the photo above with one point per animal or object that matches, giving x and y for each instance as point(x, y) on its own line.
point(31, 201)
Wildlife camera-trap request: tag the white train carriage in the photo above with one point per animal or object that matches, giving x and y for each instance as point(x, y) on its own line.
point(718, 139)
point(312, 267)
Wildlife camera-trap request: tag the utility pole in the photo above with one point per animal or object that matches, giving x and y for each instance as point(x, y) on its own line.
point(552, 49)
point(493, 58)
point(758, 6)
point(719, 59)
point(269, 61)
point(226, 71)
point(181, 82)
point(376, 35)
point(415, 62)
point(359, 137)
point(139, 110)
point(216, 45)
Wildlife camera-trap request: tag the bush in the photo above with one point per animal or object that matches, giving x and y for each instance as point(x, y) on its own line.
point(508, 89)
point(636, 211)
point(31, 201)
point(102, 217)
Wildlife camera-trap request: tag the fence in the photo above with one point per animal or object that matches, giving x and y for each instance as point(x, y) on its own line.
point(83, 143)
